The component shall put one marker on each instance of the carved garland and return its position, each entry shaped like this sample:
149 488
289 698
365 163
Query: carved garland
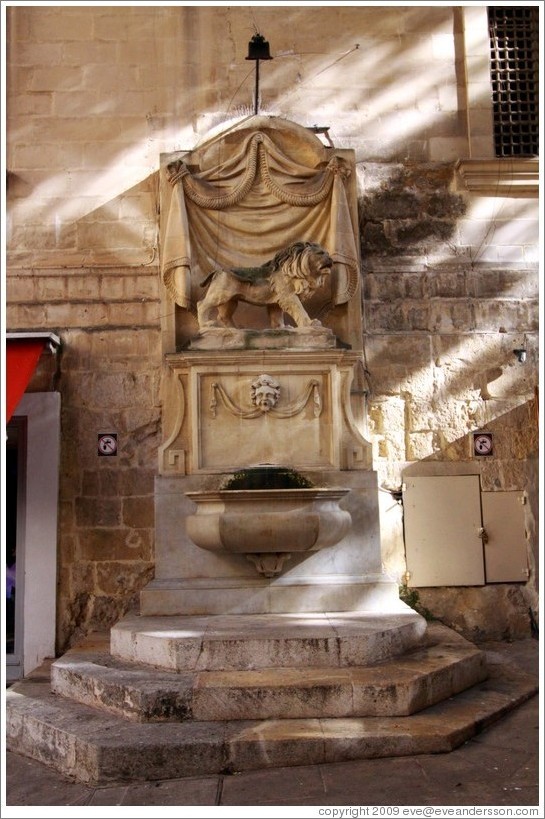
205 195
312 389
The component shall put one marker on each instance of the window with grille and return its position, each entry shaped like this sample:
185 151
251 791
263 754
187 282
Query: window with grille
514 45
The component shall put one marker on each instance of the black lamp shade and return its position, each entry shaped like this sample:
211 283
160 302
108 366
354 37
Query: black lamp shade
258 48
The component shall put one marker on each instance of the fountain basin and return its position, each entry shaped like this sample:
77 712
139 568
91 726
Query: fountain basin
268 525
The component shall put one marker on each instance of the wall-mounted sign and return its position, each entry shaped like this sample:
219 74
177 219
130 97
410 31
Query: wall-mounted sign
483 443
107 443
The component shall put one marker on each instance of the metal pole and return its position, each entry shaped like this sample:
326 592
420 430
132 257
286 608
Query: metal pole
256 103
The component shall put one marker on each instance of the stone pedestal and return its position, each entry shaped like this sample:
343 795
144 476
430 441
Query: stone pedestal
285 338
216 426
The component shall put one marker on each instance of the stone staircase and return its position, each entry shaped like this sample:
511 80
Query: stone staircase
167 697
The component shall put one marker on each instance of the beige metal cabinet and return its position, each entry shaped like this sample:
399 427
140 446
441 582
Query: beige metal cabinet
505 548
457 536
442 519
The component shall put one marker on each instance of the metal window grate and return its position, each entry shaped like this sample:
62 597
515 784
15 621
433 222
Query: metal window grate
514 49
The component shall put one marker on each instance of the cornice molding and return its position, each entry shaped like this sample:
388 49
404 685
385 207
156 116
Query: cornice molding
499 177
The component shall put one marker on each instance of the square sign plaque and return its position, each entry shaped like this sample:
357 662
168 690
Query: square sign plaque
107 443
483 444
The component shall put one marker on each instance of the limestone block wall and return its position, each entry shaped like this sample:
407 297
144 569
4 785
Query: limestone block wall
95 94
450 290
107 373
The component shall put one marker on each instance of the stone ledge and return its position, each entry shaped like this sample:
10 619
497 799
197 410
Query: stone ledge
246 642
401 687
290 338
257 596
500 177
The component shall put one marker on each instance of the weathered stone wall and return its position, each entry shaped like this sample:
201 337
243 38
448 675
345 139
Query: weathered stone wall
96 94
442 316
107 373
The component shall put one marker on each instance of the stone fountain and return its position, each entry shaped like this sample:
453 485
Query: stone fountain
270 634
269 523
265 367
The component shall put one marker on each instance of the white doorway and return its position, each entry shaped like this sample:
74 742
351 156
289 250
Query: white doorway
32 472
14 545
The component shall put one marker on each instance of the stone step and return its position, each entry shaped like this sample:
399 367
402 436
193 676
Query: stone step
97 747
229 642
447 665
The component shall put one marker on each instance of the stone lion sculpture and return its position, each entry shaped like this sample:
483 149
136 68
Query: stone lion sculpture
282 285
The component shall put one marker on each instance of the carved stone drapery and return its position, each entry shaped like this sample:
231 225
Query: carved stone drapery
205 195
238 200
312 389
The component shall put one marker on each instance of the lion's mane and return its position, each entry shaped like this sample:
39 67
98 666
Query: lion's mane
293 262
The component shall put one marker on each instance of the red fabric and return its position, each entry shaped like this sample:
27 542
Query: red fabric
22 356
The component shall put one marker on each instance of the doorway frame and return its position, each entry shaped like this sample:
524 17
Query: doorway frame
38 521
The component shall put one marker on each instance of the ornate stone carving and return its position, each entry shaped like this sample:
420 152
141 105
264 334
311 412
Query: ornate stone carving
282 285
238 199
264 397
265 392
269 565
268 525
171 457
